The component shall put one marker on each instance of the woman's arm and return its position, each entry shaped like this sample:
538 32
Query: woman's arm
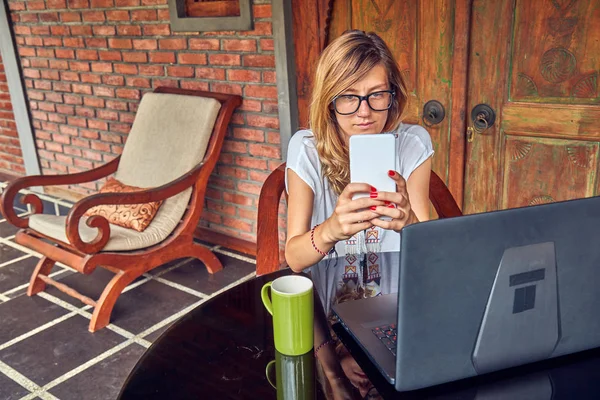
418 190
349 217
299 251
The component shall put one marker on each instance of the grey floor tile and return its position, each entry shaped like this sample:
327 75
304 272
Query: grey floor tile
7 229
24 313
11 390
195 276
168 265
49 207
8 253
57 350
147 304
62 210
61 274
102 381
236 252
17 273
204 243
89 285
18 206
156 334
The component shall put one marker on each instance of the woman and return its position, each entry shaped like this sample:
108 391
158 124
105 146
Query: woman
358 89
321 213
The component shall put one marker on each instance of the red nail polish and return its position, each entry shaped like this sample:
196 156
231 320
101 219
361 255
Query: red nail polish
373 195
373 189
373 208
391 173
392 206
387 203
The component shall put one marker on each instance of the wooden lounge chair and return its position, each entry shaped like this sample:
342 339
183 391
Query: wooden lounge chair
171 150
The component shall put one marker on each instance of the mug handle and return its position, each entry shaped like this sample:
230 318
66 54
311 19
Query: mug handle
268 375
264 294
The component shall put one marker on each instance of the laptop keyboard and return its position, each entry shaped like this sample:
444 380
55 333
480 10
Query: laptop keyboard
388 336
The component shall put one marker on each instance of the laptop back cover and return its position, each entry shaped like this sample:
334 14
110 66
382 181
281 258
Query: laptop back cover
453 270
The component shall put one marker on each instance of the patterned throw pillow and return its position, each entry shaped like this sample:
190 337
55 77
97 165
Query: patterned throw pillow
132 216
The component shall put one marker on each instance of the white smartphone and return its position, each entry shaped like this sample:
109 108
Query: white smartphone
371 157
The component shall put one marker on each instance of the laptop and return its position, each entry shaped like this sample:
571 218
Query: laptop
485 292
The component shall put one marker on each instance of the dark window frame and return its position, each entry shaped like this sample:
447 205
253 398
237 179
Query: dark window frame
180 22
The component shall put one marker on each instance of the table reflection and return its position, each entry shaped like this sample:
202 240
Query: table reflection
340 279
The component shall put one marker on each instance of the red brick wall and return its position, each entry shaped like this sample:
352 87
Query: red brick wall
11 159
86 64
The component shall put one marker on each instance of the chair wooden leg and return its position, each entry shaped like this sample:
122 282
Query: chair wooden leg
43 267
207 257
104 306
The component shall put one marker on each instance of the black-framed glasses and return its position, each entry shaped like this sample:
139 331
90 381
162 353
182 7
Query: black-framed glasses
346 104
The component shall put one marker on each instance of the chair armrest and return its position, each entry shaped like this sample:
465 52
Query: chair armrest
13 188
144 196
267 235
442 199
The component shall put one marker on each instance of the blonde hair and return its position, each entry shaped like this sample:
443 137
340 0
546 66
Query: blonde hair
345 61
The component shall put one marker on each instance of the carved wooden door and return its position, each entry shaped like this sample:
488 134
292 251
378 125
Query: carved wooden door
535 63
420 34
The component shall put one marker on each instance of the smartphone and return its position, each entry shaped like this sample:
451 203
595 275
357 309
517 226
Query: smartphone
371 157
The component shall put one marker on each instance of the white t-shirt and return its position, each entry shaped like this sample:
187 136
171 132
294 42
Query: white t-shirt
413 148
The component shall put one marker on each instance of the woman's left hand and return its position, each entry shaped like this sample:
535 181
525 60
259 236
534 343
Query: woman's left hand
397 206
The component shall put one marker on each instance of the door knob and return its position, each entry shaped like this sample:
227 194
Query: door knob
482 117
433 113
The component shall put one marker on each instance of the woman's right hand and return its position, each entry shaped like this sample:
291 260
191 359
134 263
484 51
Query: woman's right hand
352 216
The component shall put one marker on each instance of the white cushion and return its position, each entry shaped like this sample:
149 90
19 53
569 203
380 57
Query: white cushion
121 239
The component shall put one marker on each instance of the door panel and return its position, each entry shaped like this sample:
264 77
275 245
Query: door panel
536 64
560 66
527 159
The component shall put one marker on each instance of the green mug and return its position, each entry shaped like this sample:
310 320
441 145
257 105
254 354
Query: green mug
294 376
292 308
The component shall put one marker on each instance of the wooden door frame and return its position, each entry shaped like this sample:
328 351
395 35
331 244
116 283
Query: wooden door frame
308 24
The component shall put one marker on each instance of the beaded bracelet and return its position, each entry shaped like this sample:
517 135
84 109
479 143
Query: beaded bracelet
312 240
323 344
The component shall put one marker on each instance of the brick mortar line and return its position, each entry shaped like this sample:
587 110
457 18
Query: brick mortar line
244 84
106 23
114 8
100 74
87 9
134 101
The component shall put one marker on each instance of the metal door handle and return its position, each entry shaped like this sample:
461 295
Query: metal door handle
433 113
482 117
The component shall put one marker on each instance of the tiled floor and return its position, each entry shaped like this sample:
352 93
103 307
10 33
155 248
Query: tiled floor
46 351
